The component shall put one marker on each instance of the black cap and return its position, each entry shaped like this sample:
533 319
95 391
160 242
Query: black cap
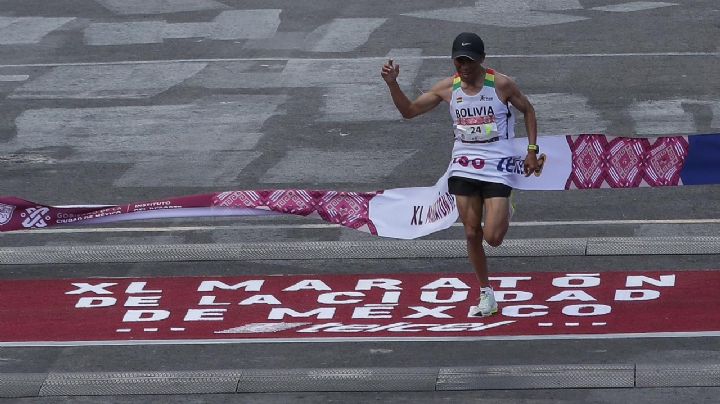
469 45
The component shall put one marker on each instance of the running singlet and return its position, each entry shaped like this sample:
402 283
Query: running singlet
482 125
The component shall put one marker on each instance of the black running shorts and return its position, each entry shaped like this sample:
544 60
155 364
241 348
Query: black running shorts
470 187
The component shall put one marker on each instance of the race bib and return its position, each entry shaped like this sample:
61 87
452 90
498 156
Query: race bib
476 133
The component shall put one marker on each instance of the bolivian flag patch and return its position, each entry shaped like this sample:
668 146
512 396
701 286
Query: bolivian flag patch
458 100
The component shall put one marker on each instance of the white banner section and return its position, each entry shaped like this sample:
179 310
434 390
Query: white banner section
555 161
408 213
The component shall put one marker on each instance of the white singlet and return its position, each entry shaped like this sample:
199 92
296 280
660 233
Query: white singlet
482 125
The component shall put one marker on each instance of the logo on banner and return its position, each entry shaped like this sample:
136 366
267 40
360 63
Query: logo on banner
35 217
6 212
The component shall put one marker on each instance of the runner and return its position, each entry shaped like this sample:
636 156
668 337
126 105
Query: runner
479 101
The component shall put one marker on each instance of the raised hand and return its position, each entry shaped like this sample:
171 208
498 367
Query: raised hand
390 72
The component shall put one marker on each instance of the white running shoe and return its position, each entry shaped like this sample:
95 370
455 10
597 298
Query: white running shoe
487 305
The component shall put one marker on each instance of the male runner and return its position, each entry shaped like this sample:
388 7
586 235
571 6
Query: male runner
479 101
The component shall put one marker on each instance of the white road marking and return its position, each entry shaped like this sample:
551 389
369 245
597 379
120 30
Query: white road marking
28 30
113 82
693 334
357 103
165 229
239 74
14 77
229 25
633 6
132 32
567 113
540 5
130 7
212 126
246 24
296 73
313 165
368 100
160 141
280 41
342 34
507 13
665 117
371 58
187 168
715 108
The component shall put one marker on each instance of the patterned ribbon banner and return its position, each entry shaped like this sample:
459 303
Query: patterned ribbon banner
568 162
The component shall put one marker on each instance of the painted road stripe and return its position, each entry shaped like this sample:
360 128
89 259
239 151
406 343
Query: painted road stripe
381 58
14 77
335 226
228 25
134 7
28 30
699 334
121 81
633 6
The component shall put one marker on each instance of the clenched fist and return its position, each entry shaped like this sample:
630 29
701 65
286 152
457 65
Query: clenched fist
390 72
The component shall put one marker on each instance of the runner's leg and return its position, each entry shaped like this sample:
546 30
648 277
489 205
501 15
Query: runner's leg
470 209
496 220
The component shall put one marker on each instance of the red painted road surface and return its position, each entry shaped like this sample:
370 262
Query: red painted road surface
275 308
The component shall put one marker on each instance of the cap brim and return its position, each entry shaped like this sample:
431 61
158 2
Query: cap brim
471 55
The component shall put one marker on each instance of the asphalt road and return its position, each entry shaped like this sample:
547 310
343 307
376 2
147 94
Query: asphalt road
109 101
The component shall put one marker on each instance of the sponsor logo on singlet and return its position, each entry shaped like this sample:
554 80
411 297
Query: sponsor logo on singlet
514 165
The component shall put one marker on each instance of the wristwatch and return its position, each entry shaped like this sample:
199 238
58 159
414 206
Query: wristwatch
534 148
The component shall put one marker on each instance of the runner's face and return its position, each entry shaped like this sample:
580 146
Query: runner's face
468 69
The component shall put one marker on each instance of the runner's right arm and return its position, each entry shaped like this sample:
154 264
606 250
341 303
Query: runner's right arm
423 103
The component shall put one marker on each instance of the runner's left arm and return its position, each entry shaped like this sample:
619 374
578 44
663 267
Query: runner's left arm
521 102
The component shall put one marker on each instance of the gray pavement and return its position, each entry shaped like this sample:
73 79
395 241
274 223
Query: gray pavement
700 395
108 101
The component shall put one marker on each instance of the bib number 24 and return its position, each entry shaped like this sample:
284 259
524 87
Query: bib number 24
474 133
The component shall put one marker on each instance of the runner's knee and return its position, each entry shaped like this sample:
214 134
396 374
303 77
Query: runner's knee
473 232
493 239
